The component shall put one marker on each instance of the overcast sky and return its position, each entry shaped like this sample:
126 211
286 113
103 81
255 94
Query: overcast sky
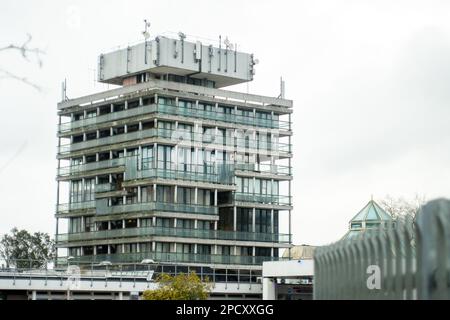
369 80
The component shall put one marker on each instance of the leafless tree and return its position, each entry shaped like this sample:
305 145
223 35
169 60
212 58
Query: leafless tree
398 207
30 54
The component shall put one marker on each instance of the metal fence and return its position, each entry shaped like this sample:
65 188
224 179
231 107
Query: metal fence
408 259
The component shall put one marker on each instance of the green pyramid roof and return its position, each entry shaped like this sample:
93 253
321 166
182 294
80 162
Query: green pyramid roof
372 212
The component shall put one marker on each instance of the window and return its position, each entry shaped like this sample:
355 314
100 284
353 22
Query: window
244 220
164 193
76 193
165 157
185 195
147 157
89 189
205 197
75 225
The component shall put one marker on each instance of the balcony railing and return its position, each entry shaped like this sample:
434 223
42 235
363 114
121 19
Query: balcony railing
174 232
171 257
264 168
67 207
218 116
263 198
208 172
68 126
103 209
74 169
178 136
181 111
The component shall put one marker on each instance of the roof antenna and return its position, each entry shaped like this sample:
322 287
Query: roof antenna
64 91
282 89
146 35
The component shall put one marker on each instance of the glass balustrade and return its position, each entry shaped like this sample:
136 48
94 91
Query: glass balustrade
180 136
263 198
169 257
174 232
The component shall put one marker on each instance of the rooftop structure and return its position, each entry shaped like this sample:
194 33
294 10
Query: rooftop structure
371 217
171 168
177 60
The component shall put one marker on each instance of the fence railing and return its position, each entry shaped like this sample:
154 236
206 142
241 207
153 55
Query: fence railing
408 259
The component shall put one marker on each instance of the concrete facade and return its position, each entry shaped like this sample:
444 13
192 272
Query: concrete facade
169 167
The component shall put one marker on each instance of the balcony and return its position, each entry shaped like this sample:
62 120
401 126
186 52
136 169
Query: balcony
76 169
103 209
68 126
208 172
230 118
263 198
173 232
264 168
171 257
178 136
74 206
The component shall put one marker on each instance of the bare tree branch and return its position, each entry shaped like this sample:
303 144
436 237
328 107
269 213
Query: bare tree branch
10 75
398 207
26 53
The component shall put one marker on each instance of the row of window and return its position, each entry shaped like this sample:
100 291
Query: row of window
257 186
166 247
76 224
264 222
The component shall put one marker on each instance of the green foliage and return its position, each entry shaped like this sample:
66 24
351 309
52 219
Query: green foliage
179 287
24 249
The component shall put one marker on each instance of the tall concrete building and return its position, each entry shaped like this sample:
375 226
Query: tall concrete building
171 167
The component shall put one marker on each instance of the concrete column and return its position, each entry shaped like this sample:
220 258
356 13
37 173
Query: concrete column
175 194
139 195
123 223
272 227
140 125
269 289
98 134
153 246
95 250
138 224
140 157
155 155
174 222
126 105
254 220
33 295
125 127
109 225
141 101
109 249
215 198
215 225
195 224
234 218
154 221
196 195
112 107
120 295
